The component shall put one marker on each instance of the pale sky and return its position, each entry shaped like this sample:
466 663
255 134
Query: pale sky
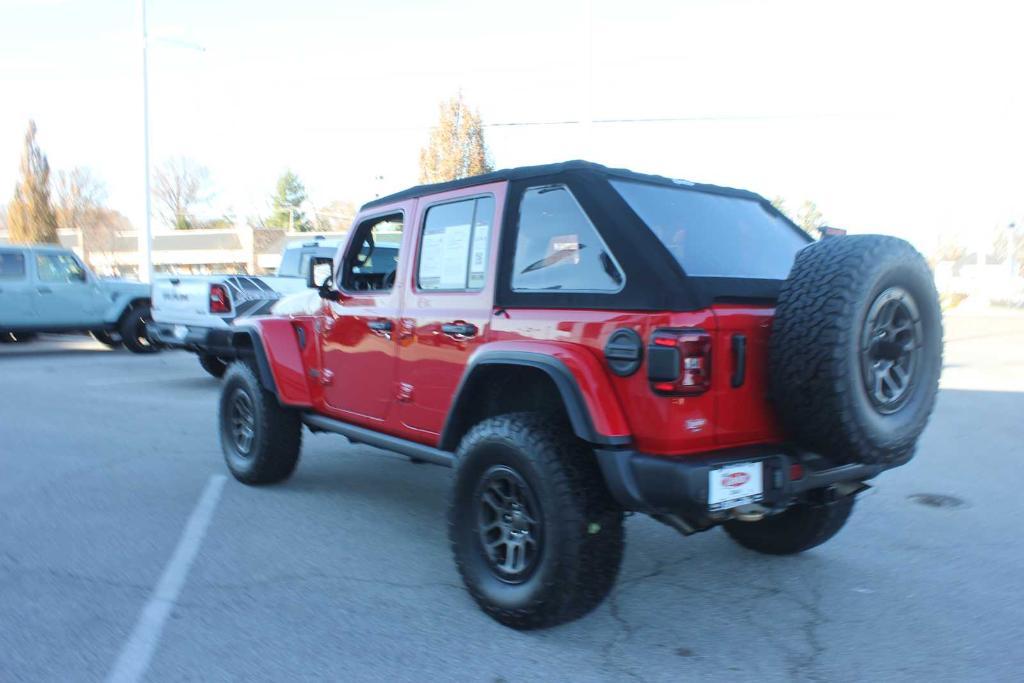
898 117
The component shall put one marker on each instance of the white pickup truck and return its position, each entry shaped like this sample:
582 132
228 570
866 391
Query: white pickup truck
195 312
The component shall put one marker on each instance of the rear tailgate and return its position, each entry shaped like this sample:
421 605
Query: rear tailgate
184 301
743 412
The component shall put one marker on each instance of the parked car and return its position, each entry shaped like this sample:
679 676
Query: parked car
579 342
46 288
195 312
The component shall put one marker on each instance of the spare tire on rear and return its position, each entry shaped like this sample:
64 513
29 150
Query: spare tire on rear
856 349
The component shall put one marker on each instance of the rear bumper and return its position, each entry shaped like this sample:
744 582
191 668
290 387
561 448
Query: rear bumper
205 340
679 484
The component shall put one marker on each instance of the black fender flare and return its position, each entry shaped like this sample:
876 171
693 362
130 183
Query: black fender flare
568 389
248 343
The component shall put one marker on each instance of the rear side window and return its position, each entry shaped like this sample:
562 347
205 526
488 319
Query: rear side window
12 265
558 248
453 249
714 235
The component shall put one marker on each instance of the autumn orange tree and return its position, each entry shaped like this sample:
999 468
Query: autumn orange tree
30 215
456 148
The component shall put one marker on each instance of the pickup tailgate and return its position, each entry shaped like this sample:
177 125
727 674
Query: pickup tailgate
184 301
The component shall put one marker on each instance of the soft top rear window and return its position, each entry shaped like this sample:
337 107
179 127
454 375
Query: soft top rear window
715 235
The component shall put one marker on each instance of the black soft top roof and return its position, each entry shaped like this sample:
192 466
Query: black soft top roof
547 170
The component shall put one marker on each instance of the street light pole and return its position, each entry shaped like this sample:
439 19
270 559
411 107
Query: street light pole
146 234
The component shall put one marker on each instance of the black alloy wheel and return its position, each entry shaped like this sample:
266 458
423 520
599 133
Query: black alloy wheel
509 523
890 342
242 422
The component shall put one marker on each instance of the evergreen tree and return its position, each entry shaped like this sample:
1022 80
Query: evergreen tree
287 204
30 215
456 148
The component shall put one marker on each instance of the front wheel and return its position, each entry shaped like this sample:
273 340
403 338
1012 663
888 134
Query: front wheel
261 439
536 535
213 365
134 330
108 339
801 527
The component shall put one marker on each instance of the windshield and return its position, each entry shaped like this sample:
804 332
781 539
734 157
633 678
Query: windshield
713 235
294 263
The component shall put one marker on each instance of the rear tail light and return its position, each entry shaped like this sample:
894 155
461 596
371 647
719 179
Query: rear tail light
679 362
219 301
796 471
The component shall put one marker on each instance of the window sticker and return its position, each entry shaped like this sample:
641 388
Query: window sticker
453 256
478 256
430 260
565 248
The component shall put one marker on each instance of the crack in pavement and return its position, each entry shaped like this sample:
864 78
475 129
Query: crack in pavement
69 576
808 666
626 629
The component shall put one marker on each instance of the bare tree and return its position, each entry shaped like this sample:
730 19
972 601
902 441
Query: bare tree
810 218
337 216
456 148
80 199
180 186
78 192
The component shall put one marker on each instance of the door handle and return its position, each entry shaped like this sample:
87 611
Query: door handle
459 329
380 325
44 290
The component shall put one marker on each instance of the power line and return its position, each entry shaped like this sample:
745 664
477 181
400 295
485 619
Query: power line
667 119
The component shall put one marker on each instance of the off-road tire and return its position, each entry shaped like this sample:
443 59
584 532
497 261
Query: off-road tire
816 356
581 527
133 330
213 365
277 430
107 339
800 528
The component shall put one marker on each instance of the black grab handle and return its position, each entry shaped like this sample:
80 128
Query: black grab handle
739 359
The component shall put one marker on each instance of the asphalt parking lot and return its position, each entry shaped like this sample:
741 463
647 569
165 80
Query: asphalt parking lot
109 460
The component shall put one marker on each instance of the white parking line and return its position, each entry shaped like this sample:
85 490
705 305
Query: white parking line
137 652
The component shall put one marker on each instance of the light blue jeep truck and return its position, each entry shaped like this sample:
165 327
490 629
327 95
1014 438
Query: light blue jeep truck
46 288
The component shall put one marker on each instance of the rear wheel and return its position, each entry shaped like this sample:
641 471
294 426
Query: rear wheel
801 527
109 339
537 538
213 365
261 439
134 330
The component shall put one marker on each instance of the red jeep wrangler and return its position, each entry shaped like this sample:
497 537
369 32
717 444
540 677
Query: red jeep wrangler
579 342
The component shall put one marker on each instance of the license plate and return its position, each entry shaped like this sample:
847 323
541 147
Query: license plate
180 331
735 485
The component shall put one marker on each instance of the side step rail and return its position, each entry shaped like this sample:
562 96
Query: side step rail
320 423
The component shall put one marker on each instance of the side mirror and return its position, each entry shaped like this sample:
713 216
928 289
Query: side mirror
320 269
321 277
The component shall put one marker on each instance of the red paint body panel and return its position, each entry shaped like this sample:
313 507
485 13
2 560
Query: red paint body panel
745 415
281 344
431 363
658 424
589 372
